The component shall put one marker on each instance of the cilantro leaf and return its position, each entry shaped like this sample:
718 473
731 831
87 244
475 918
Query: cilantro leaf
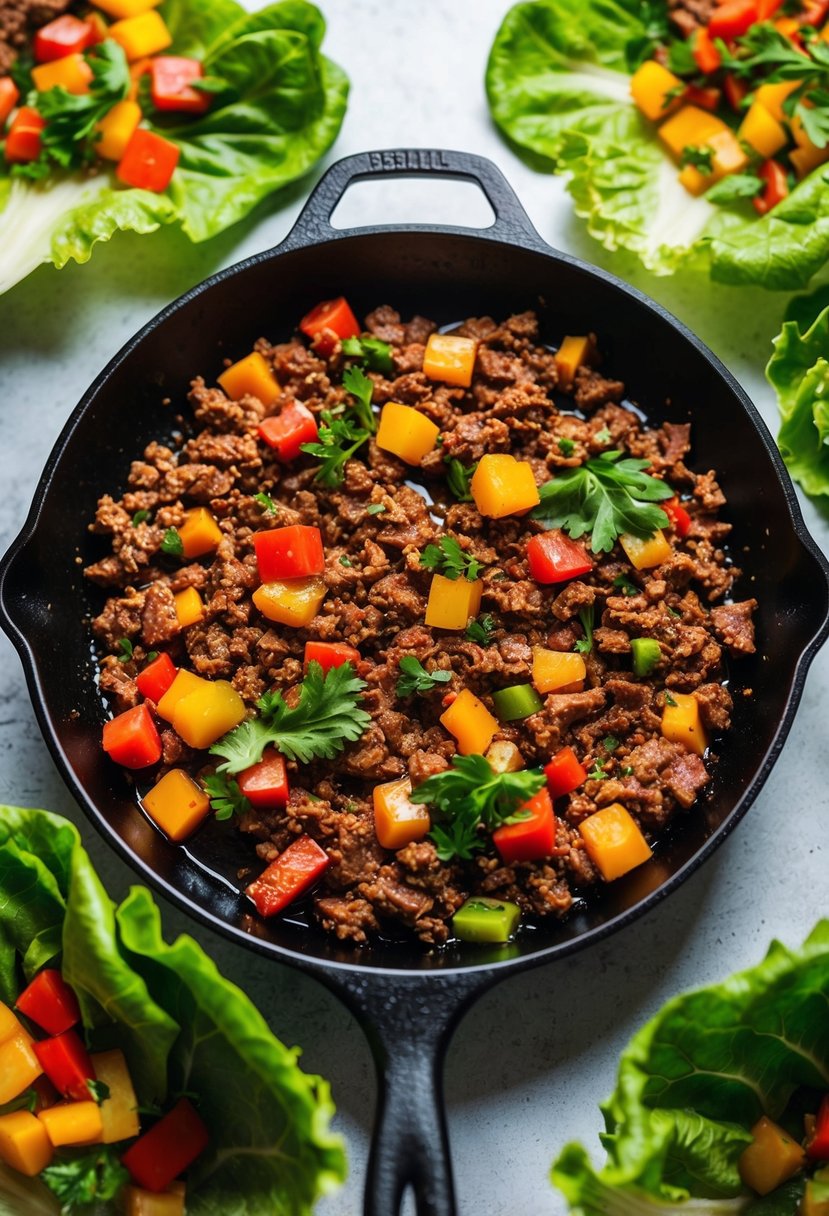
449 559
172 544
416 679
92 1176
566 446
126 648
606 496
585 645
481 629
326 717
681 59
374 353
735 186
698 155
375 508
358 384
140 517
266 503
625 585
98 1090
337 441
226 798
458 477
469 797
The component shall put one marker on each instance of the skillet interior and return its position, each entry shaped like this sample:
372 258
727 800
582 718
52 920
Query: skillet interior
445 275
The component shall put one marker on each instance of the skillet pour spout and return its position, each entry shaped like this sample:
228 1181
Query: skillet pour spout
408 1001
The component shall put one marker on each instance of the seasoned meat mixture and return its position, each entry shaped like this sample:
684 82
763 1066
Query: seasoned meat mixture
375 528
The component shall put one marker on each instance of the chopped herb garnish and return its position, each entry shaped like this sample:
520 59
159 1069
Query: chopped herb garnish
98 1090
266 503
449 559
415 678
627 771
625 585
373 352
673 611
458 477
681 59
566 447
735 186
93 1177
140 517
606 496
610 743
125 648
172 544
152 655
376 508
669 700
361 387
597 772
698 155
226 798
603 436
337 440
481 629
585 645
346 561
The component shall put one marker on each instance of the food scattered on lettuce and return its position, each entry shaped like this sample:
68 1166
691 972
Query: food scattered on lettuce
126 1061
190 113
721 1102
799 371
691 134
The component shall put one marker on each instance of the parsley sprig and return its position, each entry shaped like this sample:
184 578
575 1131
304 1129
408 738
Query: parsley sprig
469 799
449 559
698 155
92 1176
172 544
606 496
361 387
371 351
414 677
586 616
458 478
481 629
337 441
327 715
226 798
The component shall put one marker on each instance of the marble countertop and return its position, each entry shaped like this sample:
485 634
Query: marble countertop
531 1061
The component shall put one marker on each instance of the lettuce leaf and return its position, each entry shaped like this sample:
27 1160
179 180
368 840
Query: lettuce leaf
695 1078
799 372
280 113
181 1024
559 89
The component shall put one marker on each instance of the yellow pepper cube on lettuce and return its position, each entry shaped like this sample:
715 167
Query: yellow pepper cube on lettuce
119 1111
24 1144
116 129
72 1123
142 35
651 87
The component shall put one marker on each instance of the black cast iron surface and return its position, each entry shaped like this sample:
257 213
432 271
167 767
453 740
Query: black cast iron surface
408 1001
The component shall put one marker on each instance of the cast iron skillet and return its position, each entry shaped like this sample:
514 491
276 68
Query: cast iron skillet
408 1001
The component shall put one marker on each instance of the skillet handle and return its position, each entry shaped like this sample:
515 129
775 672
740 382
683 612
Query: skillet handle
511 220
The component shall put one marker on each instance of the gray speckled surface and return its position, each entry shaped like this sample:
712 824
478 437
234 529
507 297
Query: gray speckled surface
533 1058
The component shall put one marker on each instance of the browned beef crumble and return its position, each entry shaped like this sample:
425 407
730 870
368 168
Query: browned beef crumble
376 602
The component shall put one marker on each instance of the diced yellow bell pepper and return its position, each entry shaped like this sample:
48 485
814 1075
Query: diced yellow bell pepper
644 552
554 669
452 602
762 131
469 720
502 485
119 1112
9 1024
72 73
199 533
291 601
397 820
571 355
24 1144
772 96
116 129
695 182
613 841
177 805
504 757
692 127
729 156
155 1203
771 1158
807 159
144 34
250 377
681 722
72 1123
650 86
125 8
205 715
406 432
189 607
184 683
19 1066
450 358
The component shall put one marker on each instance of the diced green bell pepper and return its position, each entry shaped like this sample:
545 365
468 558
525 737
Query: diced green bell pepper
486 920
516 702
646 654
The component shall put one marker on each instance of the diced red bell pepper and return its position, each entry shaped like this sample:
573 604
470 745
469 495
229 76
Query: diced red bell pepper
554 557
66 1063
735 91
158 1157
776 186
50 1002
266 784
132 739
732 19
23 142
286 878
679 518
148 162
156 677
330 654
529 839
814 13
9 97
705 99
817 1147
330 320
66 35
171 86
706 55
289 429
292 552
564 773
98 28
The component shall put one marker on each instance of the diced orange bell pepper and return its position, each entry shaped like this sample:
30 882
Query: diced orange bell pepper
199 533
72 73
771 1159
690 126
452 602
294 601
406 432
24 1144
705 52
681 722
119 1111
9 97
807 159
140 1202
652 88
450 358
573 353
189 607
23 138
645 552
9 1024
397 820
121 9
19 1066
613 841
251 376
762 131
469 720
184 683
98 28
554 669
772 96
116 129
72 1123
502 485
203 716
149 160
177 805
144 34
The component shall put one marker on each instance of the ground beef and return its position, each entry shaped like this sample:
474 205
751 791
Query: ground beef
375 526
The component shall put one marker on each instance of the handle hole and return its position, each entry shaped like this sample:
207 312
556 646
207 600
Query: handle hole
409 201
